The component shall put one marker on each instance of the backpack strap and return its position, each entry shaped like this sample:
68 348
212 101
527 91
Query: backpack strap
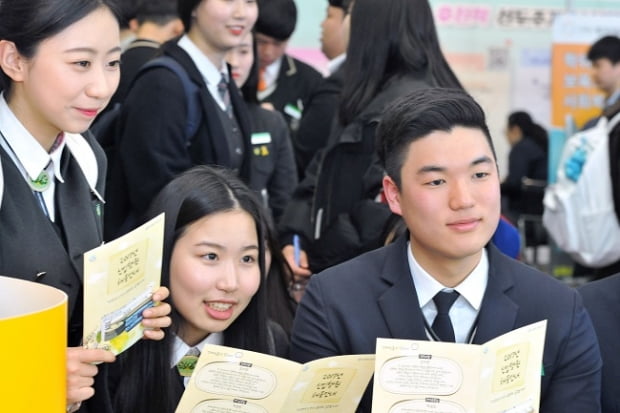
191 92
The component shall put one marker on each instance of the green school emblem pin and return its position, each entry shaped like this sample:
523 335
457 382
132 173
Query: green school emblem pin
41 183
186 365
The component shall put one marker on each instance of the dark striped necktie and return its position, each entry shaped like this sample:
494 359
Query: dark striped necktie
442 325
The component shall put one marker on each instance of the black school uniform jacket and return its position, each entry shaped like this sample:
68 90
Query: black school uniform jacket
32 249
296 83
153 149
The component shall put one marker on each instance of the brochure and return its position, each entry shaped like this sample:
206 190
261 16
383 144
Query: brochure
502 375
227 380
119 280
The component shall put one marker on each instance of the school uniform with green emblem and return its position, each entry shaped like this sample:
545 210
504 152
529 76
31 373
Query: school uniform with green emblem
50 209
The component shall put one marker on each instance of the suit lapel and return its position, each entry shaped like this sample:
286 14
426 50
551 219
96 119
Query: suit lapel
498 312
401 309
77 209
288 69
243 120
399 303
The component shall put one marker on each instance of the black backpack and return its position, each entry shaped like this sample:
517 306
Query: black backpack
106 127
106 130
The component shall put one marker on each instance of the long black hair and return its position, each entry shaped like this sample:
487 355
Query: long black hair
199 192
390 38
281 307
28 23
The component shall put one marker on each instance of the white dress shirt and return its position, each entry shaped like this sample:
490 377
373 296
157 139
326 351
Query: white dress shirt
207 69
335 63
29 156
464 311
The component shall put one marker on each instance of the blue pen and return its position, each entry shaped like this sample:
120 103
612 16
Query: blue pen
296 249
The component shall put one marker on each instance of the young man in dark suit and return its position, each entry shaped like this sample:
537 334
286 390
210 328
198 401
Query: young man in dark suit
285 83
442 178
601 298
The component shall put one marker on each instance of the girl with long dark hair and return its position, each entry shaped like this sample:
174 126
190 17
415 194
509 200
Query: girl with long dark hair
393 50
214 265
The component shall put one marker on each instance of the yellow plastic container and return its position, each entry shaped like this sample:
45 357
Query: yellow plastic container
33 341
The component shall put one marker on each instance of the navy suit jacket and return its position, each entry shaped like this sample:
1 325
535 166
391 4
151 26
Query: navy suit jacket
345 308
602 299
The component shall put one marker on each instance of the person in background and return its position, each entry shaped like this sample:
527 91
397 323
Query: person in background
152 146
614 170
337 211
273 173
604 55
335 33
59 62
285 83
157 22
214 263
442 178
528 159
322 107
127 20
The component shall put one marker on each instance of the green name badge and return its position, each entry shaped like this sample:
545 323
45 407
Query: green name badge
261 138
293 111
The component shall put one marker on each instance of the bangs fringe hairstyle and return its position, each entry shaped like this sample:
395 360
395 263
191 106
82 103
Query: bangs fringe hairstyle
28 22
199 192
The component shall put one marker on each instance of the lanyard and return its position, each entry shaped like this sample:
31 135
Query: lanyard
470 336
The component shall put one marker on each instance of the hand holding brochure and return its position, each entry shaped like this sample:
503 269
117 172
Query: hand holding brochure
227 379
119 280
500 376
